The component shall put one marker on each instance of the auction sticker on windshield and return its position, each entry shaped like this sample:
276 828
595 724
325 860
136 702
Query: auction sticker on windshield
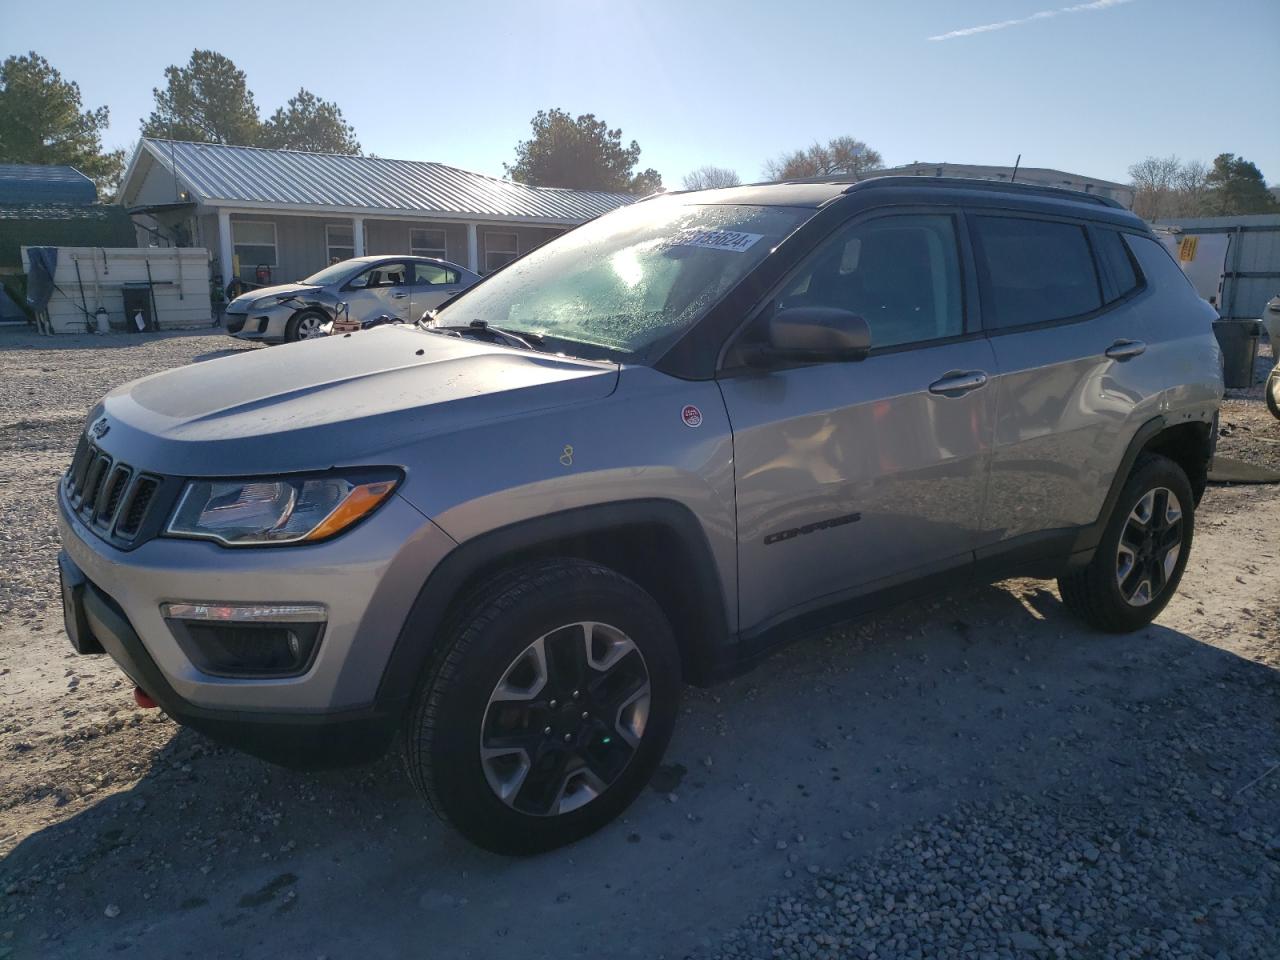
720 240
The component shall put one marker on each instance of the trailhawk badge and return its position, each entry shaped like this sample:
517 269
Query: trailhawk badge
691 416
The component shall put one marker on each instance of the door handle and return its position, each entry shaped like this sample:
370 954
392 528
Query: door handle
398 296
1126 349
958 382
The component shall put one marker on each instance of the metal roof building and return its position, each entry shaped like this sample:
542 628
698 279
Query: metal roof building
53 206
37 184
291 212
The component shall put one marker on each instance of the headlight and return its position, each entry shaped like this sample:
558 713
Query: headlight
266 303
279 510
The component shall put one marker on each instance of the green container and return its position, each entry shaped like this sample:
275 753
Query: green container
1239 342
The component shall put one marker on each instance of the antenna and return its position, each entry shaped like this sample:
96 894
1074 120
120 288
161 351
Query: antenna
1017 163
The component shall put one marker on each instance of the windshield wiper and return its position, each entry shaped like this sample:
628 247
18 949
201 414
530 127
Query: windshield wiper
527 341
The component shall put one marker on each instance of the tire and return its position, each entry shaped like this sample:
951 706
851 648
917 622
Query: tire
490 689
1100 593
1272 390
301 325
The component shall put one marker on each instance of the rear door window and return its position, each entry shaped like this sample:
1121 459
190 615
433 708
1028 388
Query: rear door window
1117 261
432 275
1036 271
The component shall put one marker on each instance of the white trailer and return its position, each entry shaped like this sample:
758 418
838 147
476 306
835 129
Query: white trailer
173 280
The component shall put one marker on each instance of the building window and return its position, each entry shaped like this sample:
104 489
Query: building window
499 250
339 242
428 242
254 242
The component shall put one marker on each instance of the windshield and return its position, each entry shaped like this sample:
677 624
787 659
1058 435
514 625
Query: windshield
332 273
626 285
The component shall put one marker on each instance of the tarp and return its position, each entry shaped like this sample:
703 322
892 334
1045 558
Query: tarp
44 261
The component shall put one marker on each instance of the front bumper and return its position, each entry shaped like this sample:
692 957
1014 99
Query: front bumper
265 326
367 579
301 740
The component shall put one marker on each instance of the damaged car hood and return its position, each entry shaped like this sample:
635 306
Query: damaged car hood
335 400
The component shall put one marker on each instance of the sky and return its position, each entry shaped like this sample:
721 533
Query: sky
1087 87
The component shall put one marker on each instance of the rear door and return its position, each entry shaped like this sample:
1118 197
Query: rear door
1056 301
853 476
433 284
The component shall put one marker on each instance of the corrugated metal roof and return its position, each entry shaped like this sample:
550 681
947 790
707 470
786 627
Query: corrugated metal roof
252 175
38 183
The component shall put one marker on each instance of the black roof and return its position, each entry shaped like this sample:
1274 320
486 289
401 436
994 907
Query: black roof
819 191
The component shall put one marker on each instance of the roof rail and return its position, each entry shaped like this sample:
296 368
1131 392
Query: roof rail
992 186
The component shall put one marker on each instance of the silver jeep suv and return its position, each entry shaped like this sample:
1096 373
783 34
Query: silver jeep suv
645 454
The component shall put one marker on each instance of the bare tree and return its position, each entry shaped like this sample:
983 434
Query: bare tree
1155 183
710 177
1193 188
838 157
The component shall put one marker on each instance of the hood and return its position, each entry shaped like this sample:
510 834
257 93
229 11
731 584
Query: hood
244 301
333 401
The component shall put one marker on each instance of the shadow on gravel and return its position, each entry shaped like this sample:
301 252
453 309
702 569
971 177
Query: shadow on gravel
228 352
821 756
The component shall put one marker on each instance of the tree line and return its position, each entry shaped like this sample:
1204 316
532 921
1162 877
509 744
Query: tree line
43 120
1168 187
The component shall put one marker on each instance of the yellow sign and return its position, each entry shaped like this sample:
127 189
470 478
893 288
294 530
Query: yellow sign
1187 249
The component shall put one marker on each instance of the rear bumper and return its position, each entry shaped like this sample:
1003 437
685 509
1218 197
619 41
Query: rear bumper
310 740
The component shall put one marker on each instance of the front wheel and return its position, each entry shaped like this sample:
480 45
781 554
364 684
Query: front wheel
1272 390
306 325
547 709
1142 554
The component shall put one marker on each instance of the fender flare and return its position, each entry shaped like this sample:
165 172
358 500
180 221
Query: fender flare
1090 536
554 534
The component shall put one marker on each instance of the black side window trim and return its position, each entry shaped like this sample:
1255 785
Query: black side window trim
984 277
969 312
1112 296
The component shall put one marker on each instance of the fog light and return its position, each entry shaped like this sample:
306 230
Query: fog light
248 640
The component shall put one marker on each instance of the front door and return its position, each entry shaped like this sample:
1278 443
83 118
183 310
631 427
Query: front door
382 290
852 476
433 284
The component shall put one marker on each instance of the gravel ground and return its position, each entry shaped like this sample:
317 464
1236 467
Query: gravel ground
974 776
1246 429
47 386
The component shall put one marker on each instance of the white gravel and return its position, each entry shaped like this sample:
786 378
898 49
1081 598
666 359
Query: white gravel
47 386
973 777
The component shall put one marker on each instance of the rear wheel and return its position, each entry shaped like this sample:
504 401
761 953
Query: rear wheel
548 709
305 325
1272 390
1142 554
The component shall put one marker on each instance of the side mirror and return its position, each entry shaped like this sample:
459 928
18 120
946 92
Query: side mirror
812 335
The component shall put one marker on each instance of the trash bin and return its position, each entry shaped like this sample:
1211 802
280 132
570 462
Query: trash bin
137 301
1239 342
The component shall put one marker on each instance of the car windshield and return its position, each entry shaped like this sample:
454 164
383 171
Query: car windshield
625 286
332 273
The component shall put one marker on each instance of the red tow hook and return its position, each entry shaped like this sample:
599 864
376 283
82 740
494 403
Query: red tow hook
141 699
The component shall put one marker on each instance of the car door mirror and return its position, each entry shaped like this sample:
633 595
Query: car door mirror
811 335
